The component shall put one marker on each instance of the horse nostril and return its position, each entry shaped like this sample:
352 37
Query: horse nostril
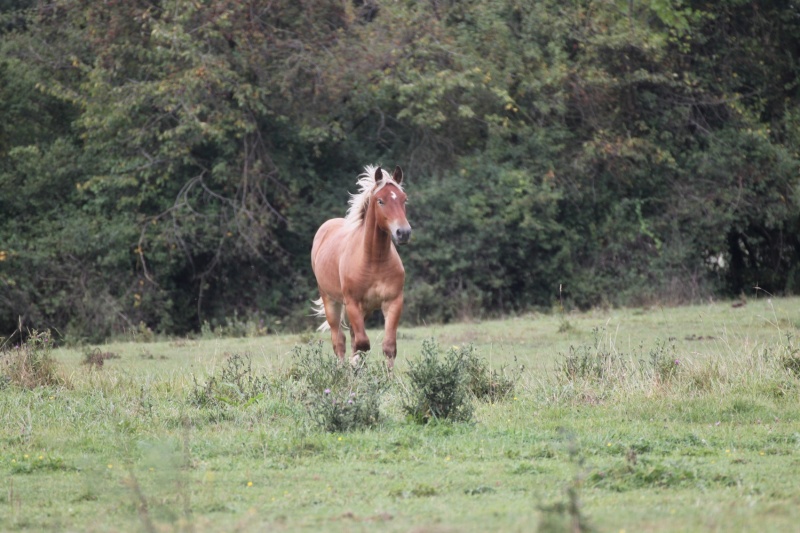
403 234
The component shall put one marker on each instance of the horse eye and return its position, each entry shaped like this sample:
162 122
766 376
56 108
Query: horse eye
380 202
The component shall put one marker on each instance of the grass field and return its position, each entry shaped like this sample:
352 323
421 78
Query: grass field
664 419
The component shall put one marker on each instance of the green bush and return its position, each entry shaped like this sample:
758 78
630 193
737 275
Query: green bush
339 397
439 387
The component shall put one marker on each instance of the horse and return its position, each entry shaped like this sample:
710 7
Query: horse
356 264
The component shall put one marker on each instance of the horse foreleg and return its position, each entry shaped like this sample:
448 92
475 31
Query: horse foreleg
358 333
391 313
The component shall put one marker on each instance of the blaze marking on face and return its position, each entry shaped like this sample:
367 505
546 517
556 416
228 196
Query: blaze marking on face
394 196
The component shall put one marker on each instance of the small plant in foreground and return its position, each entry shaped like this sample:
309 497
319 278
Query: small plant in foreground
236 384
30 364
439 388
339 397
566 515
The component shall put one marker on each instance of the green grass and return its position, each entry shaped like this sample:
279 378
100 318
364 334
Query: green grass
712 444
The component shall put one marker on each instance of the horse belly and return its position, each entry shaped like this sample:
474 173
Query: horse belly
325 257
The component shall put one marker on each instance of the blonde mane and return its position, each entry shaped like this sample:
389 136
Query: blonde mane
359 202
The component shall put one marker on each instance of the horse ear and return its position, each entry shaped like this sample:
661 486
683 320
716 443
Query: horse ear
378 175
398 174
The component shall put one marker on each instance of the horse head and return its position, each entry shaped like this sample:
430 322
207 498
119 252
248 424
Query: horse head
390 205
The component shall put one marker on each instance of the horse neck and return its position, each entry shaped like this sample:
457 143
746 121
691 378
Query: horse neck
376 242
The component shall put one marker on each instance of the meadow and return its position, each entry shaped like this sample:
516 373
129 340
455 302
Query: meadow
658 419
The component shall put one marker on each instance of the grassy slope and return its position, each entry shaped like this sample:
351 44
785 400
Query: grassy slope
715 448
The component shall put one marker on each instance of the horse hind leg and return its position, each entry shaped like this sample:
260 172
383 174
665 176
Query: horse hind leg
333 315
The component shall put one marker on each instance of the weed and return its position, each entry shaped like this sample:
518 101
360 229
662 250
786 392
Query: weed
601 364
639 474
239 327
566 515
38 463
485 383
662 363
790 359
95 358
418 491
236 384
317 369
596 363
30 364
439 387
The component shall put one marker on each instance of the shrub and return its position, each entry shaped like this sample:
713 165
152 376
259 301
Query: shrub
439 388
339 397
345 409
31 363
236 384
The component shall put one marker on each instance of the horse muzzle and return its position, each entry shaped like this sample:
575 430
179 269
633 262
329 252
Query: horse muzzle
402 235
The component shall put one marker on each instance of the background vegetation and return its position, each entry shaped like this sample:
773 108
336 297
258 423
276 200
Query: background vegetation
164 165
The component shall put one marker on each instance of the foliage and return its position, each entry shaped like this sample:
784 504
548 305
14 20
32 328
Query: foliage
168 164
438 386
29 364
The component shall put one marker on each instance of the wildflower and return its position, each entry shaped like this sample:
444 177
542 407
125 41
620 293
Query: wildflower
352 394
327 391
249 483
677 361
350 402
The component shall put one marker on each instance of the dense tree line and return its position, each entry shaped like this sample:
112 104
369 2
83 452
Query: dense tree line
166 163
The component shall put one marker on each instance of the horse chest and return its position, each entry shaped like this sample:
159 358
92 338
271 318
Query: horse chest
379 293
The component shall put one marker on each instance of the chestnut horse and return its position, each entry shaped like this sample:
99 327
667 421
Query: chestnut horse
357 266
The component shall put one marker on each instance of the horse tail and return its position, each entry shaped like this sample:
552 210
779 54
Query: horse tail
319 310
